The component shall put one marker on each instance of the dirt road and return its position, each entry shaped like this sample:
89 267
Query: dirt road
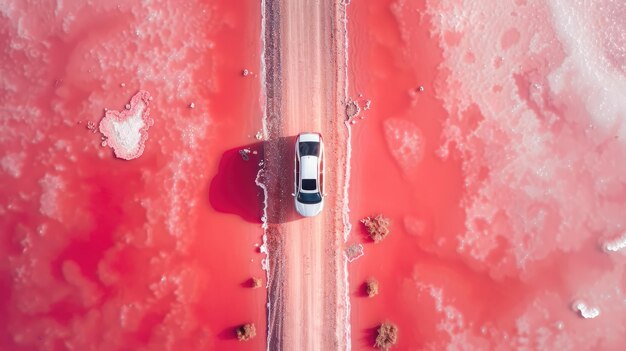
304 60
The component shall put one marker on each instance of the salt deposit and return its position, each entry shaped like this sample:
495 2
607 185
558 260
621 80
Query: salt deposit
452 320
51 187
616 244
537 116
405 142
585 311
12 164
588 70
127 131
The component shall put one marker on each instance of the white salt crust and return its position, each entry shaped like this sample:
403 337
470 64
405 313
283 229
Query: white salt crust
126 131
537 117
405 142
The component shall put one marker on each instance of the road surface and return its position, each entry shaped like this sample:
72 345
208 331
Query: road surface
305 90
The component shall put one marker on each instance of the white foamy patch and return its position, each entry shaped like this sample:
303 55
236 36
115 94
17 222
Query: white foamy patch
536 120
584 310
12 164
460 332
405 142
127 131
51 186
452 321
616 244
586 71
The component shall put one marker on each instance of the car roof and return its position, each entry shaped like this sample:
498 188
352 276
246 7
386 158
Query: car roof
308 167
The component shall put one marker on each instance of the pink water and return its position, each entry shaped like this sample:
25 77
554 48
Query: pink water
503 176
100 253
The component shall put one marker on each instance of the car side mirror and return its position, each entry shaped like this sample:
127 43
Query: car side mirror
293 194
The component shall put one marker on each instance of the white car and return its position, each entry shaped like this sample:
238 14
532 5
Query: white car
309 174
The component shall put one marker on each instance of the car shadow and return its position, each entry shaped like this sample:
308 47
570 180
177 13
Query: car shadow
279 178
361 291
229 333
234 190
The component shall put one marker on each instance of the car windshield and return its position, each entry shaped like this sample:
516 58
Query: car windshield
309 198
309 148
309 184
